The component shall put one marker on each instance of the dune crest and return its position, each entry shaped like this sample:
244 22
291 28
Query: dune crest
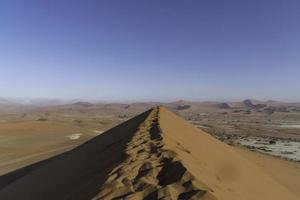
150 171
155 155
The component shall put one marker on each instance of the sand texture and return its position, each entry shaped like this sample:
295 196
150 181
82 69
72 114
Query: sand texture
155 155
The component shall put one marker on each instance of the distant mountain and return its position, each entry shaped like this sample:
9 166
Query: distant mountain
269 106
4 101
224 106
184 107
83 103
248 103
25 101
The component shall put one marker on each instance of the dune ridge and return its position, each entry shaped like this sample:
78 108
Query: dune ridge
156 155
150 171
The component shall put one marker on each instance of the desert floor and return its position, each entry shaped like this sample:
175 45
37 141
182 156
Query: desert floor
37 134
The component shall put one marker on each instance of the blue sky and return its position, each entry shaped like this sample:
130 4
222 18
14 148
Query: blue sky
150 50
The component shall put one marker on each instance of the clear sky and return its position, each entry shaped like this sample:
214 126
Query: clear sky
150 50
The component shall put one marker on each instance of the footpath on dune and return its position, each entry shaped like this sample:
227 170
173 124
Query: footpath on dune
156 155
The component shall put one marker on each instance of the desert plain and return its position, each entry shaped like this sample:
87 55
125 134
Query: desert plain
215 140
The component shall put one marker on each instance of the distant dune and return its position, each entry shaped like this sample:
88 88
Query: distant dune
155 155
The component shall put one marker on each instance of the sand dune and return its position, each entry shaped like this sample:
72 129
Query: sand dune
155 155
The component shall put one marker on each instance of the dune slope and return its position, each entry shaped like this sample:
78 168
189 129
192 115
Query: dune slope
155 155
227 173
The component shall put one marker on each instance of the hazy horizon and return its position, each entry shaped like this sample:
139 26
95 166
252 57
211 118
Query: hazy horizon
150 51
48 101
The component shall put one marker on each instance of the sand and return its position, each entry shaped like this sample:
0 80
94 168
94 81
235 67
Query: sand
155 155
283 171
225 171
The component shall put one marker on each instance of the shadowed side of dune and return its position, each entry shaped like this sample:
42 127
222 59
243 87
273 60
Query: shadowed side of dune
10 177
77 174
